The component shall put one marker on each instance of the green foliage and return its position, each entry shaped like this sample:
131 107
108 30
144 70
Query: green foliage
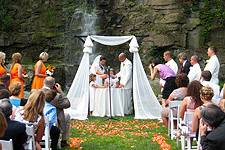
5 18
212 16
49 17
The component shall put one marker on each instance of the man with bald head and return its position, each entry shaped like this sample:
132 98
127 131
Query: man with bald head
195 71
125 75
61 102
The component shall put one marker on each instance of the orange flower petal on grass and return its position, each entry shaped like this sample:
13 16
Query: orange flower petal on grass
161 141
75 142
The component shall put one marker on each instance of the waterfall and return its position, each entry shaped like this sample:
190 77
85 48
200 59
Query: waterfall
83 22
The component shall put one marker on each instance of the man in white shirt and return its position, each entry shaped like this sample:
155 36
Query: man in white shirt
125 75
167 56
170 62
205 81
195 70
213 65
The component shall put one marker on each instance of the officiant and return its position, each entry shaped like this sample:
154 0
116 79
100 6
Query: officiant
98 68
125 75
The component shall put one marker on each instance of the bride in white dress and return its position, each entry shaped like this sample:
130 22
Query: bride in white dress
98 69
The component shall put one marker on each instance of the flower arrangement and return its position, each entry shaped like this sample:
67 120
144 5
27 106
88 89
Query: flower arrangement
161 141
75 143
50 70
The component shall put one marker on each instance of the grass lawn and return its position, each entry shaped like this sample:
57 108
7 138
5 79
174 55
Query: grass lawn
122 134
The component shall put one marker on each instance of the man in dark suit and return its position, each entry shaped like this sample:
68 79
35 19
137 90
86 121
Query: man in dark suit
214 118
15 130
184 63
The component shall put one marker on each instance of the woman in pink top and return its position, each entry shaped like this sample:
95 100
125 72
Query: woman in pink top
192 100
165 73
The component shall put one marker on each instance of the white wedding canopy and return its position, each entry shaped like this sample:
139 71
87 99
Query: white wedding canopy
146 105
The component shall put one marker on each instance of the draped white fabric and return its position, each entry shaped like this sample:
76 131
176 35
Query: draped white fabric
145 103
79 91
111 40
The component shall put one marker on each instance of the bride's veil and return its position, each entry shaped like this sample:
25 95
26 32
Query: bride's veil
95 62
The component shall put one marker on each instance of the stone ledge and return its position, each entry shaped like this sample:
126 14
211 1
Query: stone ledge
161 2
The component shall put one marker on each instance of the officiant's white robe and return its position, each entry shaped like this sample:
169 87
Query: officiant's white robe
125 75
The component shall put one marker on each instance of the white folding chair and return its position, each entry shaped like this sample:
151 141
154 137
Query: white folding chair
186 134
31 144
46 137
6 145
171 127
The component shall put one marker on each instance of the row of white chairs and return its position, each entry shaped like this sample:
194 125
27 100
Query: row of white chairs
182 126
31 144
6 145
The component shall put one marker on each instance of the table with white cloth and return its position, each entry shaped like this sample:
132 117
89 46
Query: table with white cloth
119 98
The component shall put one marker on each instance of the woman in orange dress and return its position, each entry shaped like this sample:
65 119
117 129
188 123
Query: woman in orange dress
2 67
4 78
40 71
16 72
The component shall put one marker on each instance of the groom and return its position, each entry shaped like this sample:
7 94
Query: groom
125 75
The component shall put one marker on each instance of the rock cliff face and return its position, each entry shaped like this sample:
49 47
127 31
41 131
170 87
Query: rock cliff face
31 26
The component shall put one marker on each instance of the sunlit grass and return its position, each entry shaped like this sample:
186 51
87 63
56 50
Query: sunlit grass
121 134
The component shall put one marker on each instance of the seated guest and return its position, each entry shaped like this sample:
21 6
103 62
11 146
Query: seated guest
222 104
61 102
4 93
32 113
206 94
214 118
181 91
177 94
15 130
195 70
165 73
14 89
192 100
3 124
184 63
206 81
222 92
4 81
50 113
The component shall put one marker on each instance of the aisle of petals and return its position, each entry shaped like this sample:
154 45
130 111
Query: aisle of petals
161 141
125 129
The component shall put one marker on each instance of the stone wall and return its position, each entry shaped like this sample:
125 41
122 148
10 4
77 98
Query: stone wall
31 26
164 25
